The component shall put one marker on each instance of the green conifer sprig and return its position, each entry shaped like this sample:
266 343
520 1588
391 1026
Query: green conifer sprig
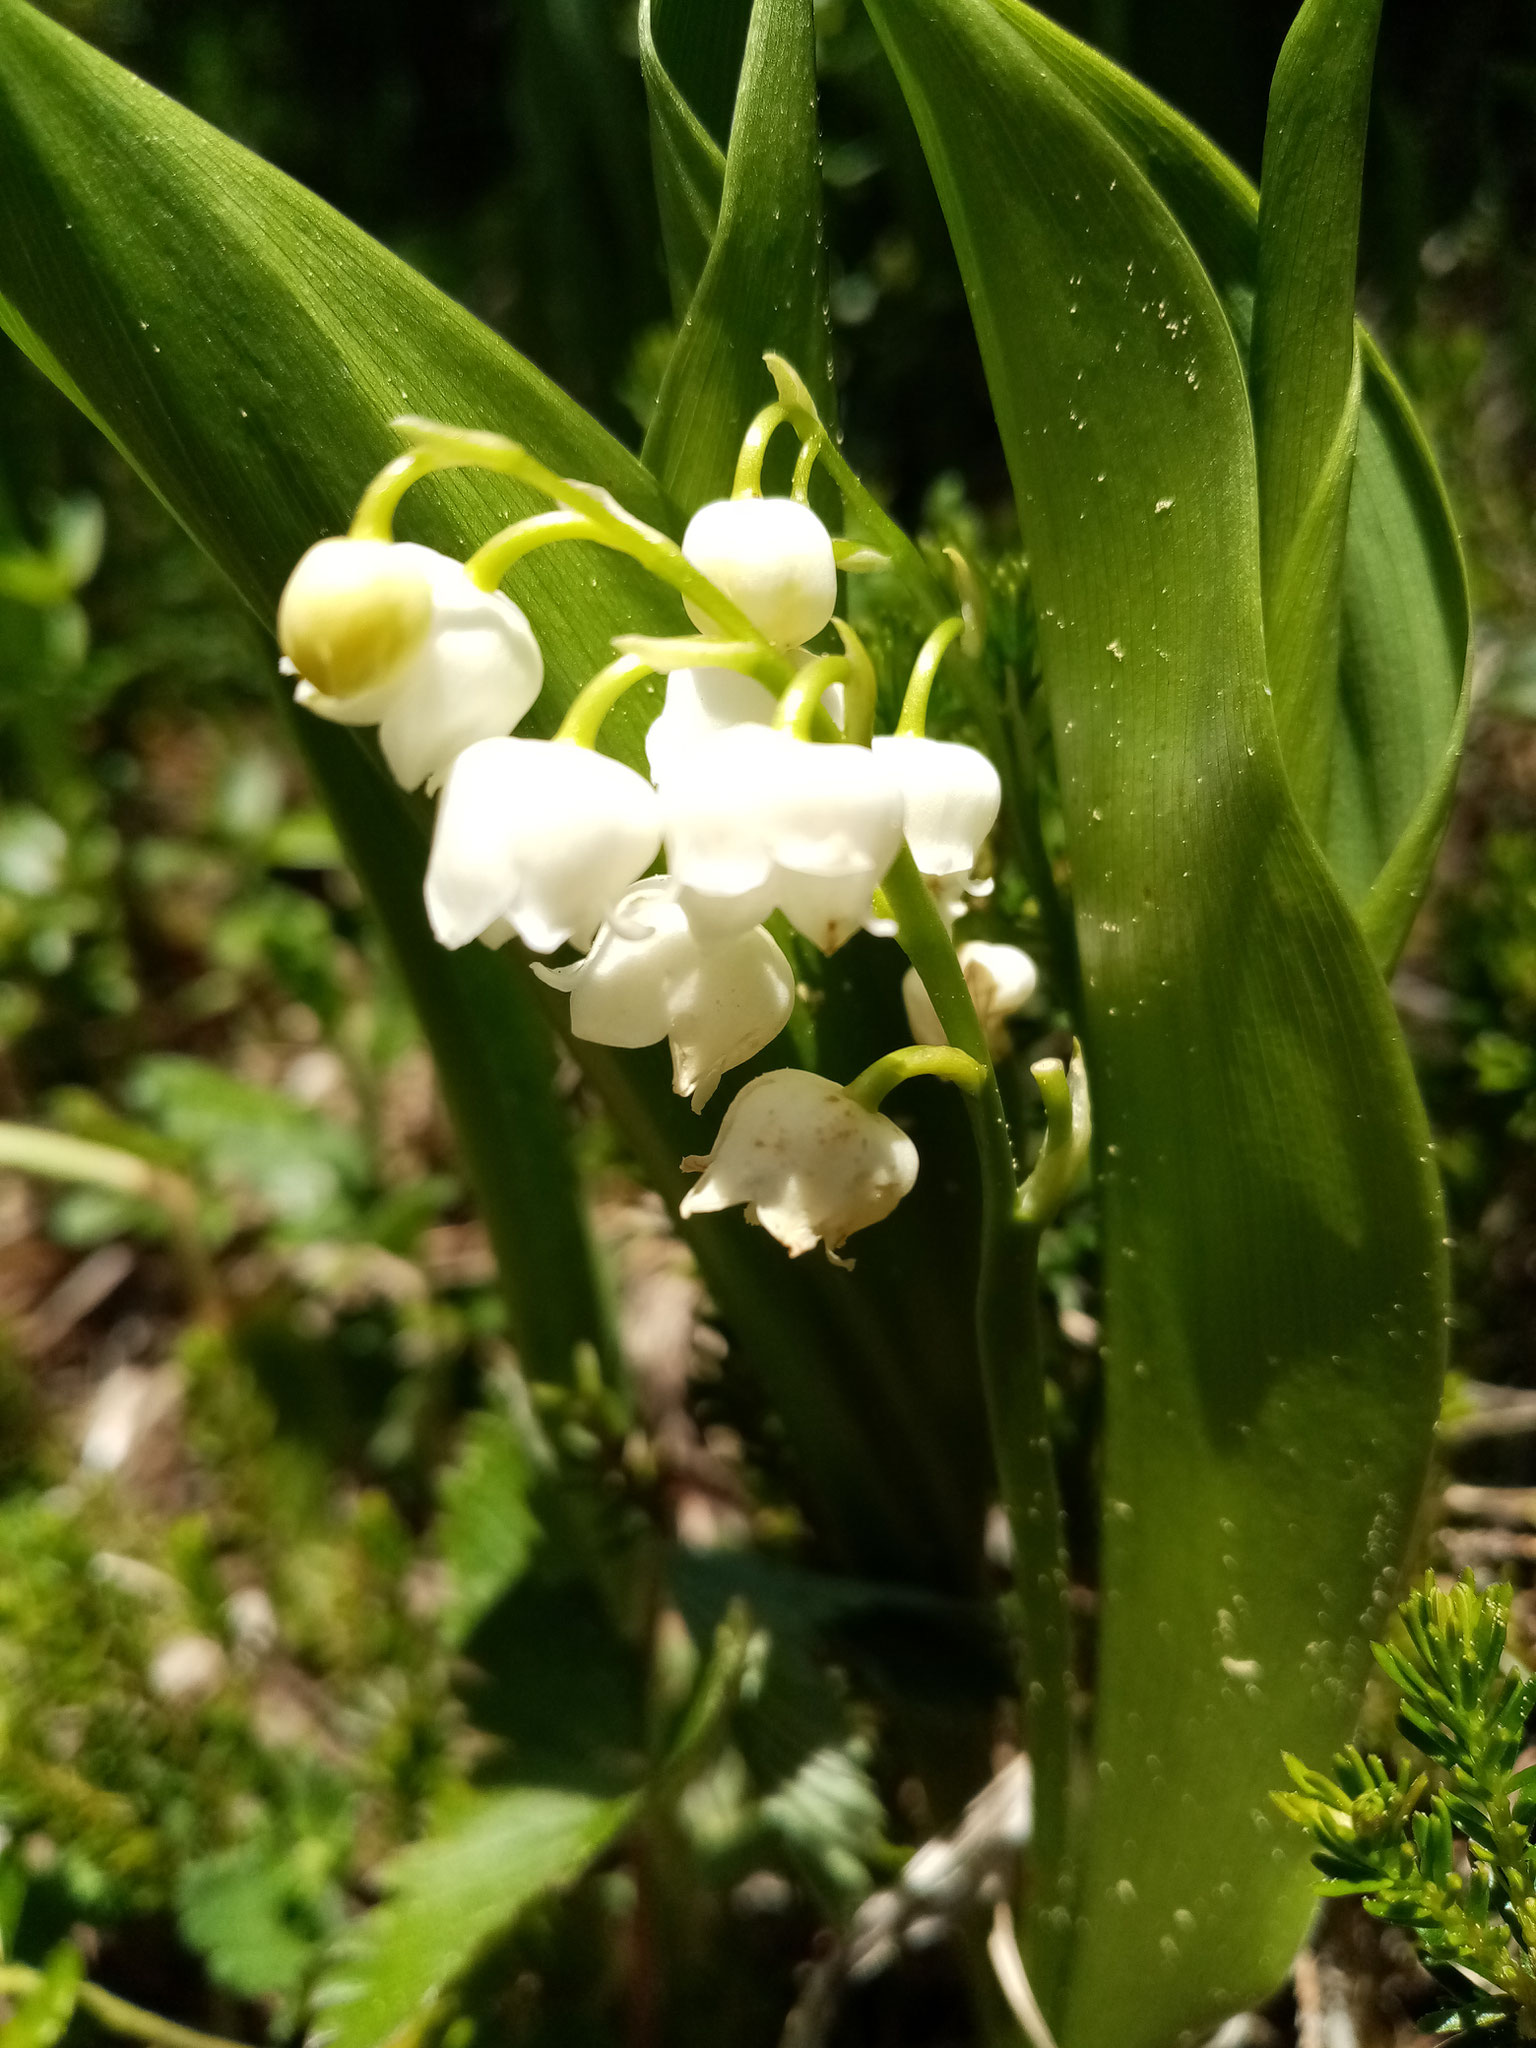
1443 1852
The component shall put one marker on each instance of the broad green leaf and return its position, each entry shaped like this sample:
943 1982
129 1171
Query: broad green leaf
252 1913
487 1530
1402 700
689 164
764 285
1275 1285
246 349
449 1896
1303 367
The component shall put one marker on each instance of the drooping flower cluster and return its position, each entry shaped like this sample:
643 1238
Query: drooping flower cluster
773 802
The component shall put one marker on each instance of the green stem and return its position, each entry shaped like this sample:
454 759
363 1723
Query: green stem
805 463
591 705
913 722
17 1980
374 518
802 700
1068 1130
441 447
862 690
491 561
748 657
1013 1380
972 594
859 504
748 480
907 1063
1021 803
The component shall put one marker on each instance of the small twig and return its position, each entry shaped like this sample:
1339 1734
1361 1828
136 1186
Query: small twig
1008 1966
17 1980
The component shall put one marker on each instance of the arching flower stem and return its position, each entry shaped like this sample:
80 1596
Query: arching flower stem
908 1063
749 657
862 688
802 700
805 462
748 480
491 561
439 448
1007 744
592 704
860 506
1013 1381
913 722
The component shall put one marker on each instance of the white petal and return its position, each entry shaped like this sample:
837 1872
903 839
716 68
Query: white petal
469 674
811 1165
1011 976
717 801
773 558
367 707
542 833
952 796
835 811
701 701
474 677
619 992
1001 980
756 819
735 1000
826 909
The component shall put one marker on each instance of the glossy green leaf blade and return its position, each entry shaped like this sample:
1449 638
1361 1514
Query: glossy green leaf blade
450 1895
1302 368
1274 1279
1303 346
688 163
1402 686
246 347
764 285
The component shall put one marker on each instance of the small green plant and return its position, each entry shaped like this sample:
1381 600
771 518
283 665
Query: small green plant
1443 1847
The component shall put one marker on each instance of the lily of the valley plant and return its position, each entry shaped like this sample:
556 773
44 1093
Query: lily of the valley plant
694 761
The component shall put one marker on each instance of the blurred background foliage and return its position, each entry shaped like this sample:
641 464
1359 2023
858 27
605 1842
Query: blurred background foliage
279 1570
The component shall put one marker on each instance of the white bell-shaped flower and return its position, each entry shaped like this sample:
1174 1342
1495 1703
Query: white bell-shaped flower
756 820
541 833
648 977
390 634
773 558
810 1163
1001 980
952 795
701 701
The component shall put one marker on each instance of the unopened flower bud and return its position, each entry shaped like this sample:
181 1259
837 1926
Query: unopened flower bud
773 558
1001 980
390 634
811 1165
541 833
952 796
648 977
757 820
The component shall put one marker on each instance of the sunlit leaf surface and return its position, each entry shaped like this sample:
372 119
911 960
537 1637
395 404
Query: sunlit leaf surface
1275 1287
